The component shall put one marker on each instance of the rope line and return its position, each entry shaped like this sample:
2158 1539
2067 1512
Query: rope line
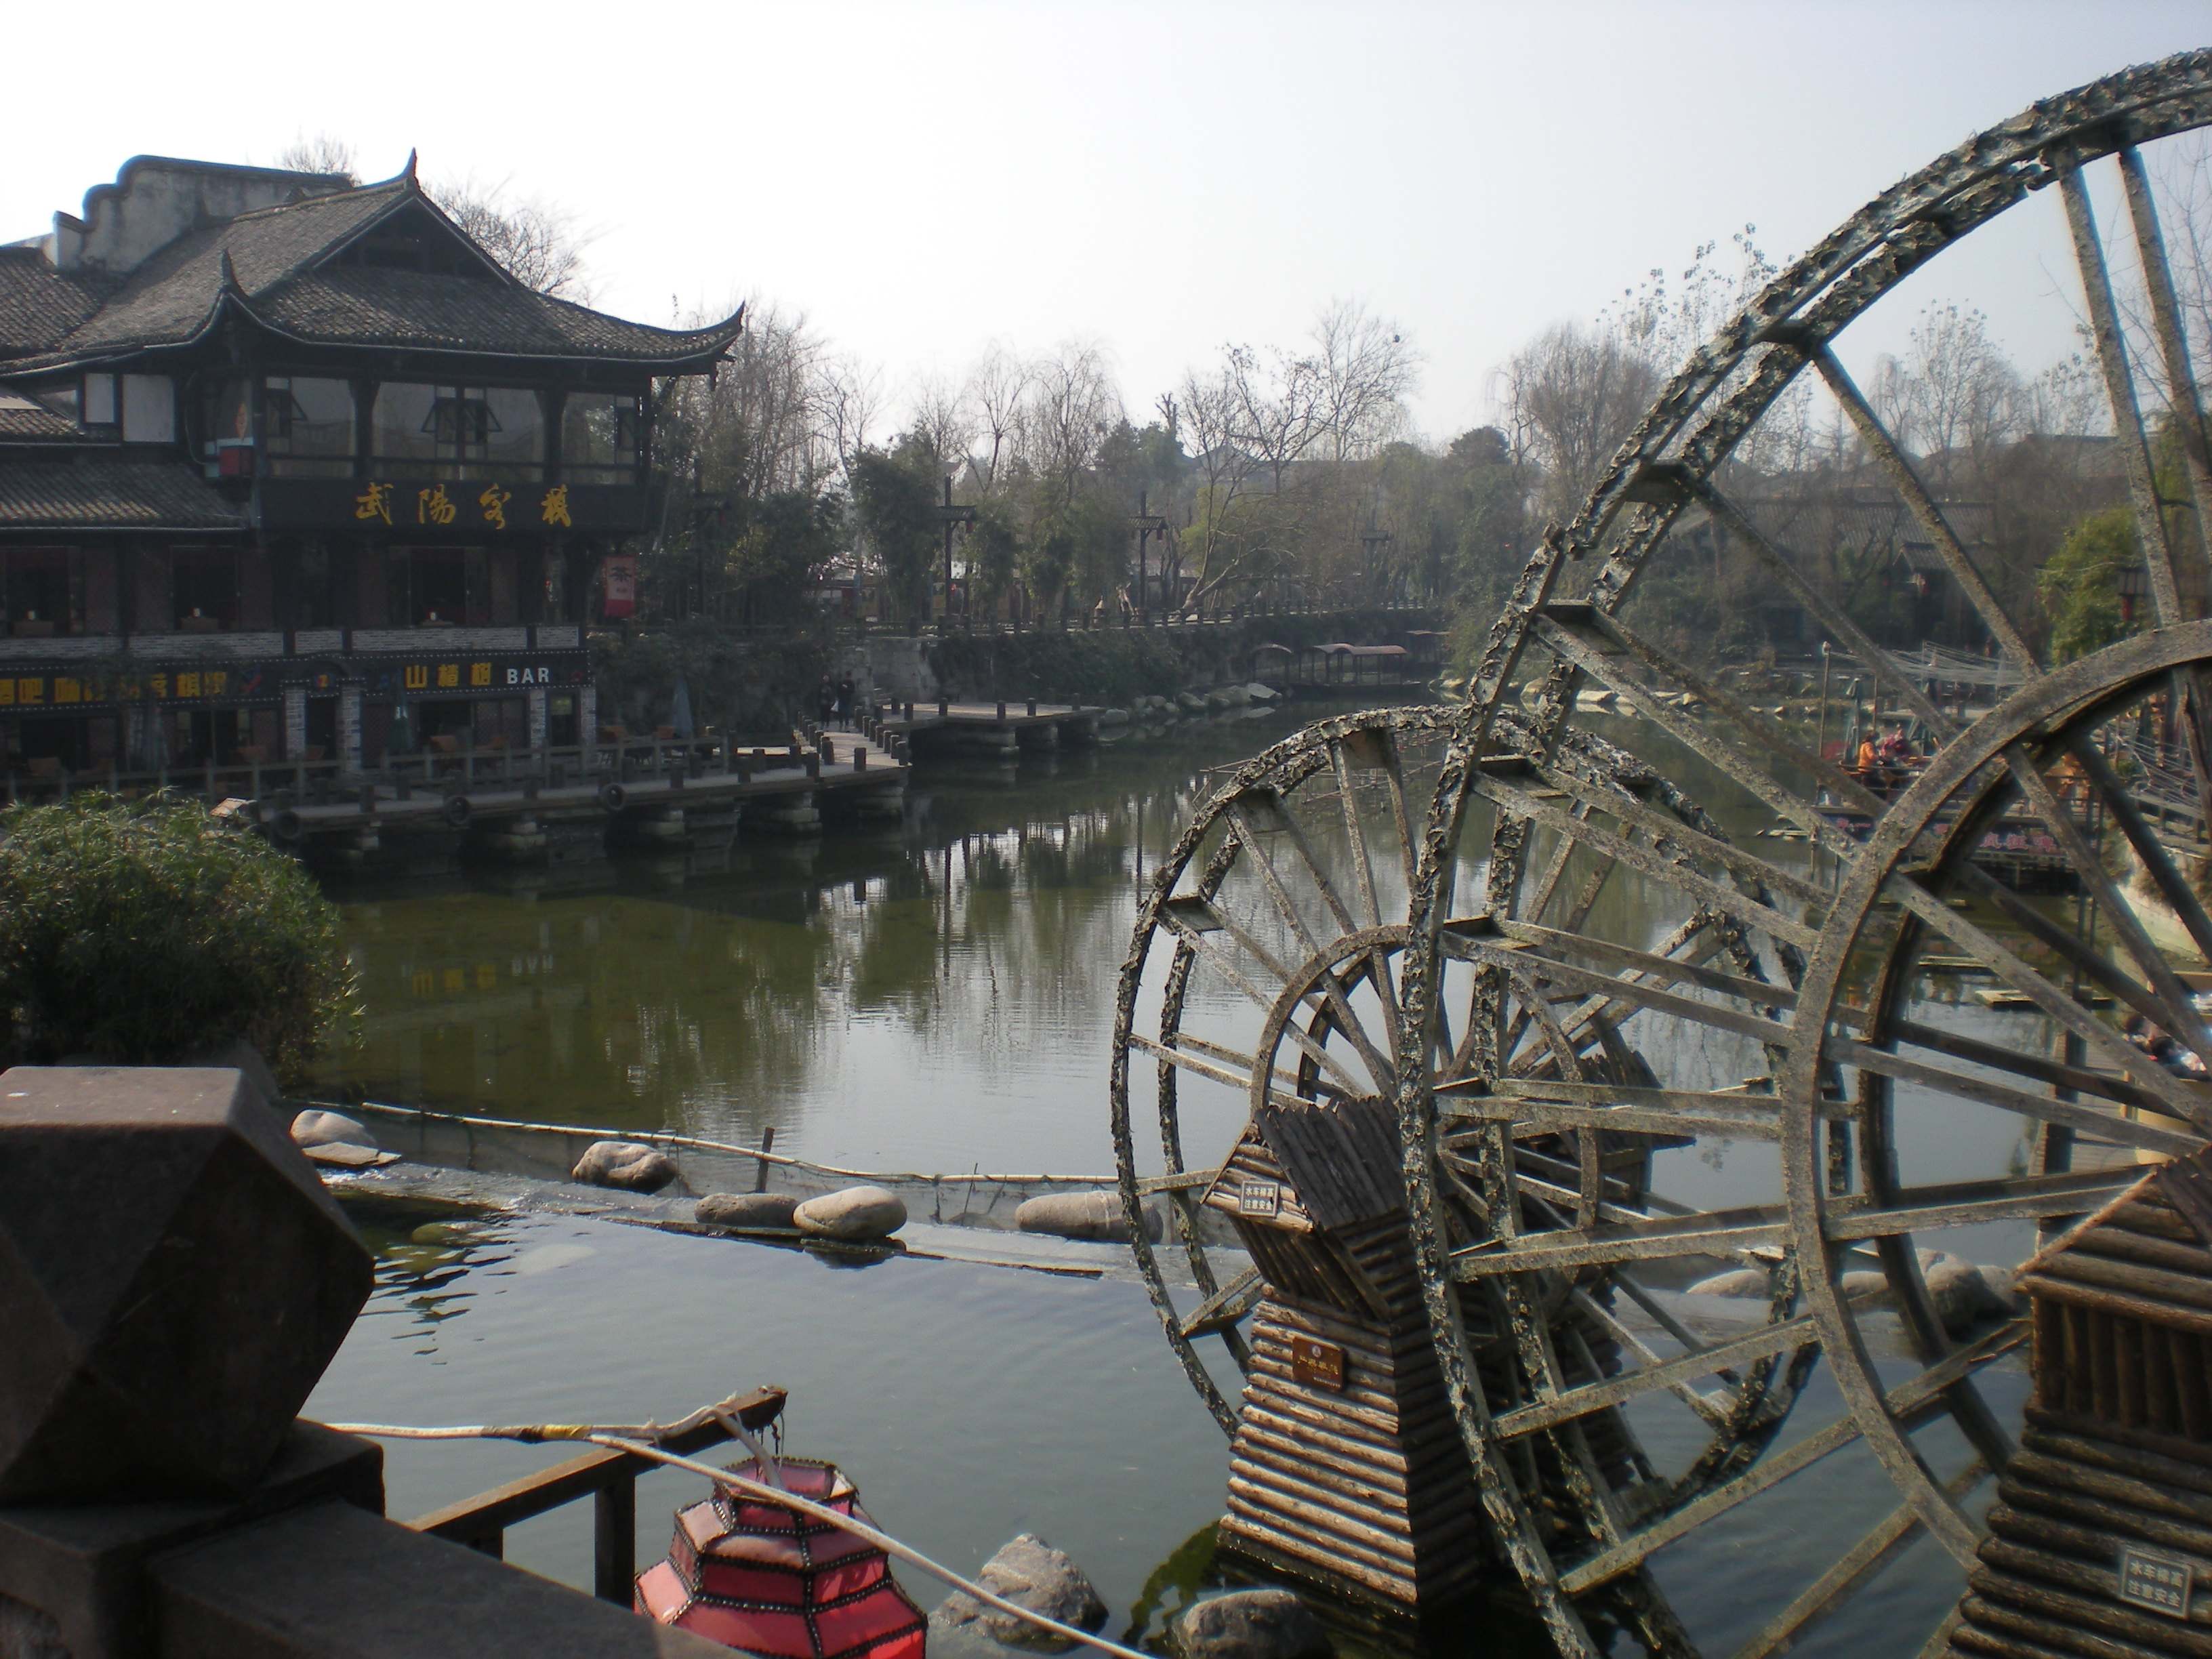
625 1440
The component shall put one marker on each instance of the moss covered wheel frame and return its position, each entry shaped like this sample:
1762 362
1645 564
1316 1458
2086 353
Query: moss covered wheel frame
1765 1060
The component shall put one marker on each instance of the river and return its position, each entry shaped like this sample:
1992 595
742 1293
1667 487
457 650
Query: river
937 995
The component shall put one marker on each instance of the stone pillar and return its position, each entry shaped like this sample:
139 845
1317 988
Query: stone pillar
540 702
349 726
296 722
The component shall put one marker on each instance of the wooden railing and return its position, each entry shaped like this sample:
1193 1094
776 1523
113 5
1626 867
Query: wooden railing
609 1479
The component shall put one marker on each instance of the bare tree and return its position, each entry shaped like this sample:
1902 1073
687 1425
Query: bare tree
322 152
1362 372
943 418
1569 398
997 387
539 242
1953 396
1071 406
849 400
1277 407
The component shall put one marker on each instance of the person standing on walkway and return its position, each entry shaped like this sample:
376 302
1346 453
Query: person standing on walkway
825 701
845 701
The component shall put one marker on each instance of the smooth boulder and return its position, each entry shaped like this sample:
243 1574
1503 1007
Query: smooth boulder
1190 702
749 1209
1254 1624
1736 1281
1258 691
1031 1574
853 1215
335 1139
316 1127
1963 1295
1094 1217
629 1166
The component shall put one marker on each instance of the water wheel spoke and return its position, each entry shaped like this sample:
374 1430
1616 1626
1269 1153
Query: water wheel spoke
1767 877
1574 635
1255 815
1603 647
2110 344
1823 610
1905 1403
1546 1108
1647 861
1202 945
1226 1307
1646 1379
1375 750
1548 884
2172 337
1969 1203
1483 941
1197 1056
2014 971
2042 1108
1717 1408
1355 836
2172 886
2170 1007
1648 968
2178 1014
1708 1232
1889 455
1859 1566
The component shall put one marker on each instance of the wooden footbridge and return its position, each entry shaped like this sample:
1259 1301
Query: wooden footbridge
996 729
500 802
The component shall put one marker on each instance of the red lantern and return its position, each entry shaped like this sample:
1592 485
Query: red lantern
753 1576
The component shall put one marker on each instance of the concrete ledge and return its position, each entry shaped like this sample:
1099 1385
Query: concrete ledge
333 1583
84 1565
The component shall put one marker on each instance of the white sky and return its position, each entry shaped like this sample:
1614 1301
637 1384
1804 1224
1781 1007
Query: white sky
921 178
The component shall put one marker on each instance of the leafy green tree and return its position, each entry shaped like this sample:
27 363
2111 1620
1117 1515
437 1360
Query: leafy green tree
895 505
148 933
2080 587
786 541
994 555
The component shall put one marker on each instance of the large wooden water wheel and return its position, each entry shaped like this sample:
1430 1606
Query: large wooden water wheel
1652 1044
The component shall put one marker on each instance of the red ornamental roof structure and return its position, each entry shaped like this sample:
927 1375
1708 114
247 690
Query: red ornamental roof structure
749 1574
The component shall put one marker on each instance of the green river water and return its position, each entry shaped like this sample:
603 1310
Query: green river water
937 995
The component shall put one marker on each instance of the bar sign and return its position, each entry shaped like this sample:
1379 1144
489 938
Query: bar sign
1317 1365
2154 1582
1260 1197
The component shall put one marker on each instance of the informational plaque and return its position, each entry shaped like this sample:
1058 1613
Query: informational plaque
2155 1582
1260 1197
1316 1363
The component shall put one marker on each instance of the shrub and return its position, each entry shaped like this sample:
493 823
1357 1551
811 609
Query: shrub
148 933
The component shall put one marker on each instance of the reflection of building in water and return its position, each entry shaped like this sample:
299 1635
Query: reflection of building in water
291 469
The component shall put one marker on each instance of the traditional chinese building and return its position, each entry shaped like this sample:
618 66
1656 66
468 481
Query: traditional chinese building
291 468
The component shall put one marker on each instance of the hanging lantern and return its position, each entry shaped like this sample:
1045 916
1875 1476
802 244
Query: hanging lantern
753 1576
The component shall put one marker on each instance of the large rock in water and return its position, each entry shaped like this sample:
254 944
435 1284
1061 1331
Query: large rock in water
334 1137
1257 1624
1029 1573
630 1165
1095 1217
855 1215
746 1210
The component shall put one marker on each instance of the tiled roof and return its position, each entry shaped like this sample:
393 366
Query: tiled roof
110 492
171 297
273 266
356 304
26 420
37 304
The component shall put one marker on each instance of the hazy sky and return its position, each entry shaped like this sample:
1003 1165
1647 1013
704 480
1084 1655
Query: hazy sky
920 179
